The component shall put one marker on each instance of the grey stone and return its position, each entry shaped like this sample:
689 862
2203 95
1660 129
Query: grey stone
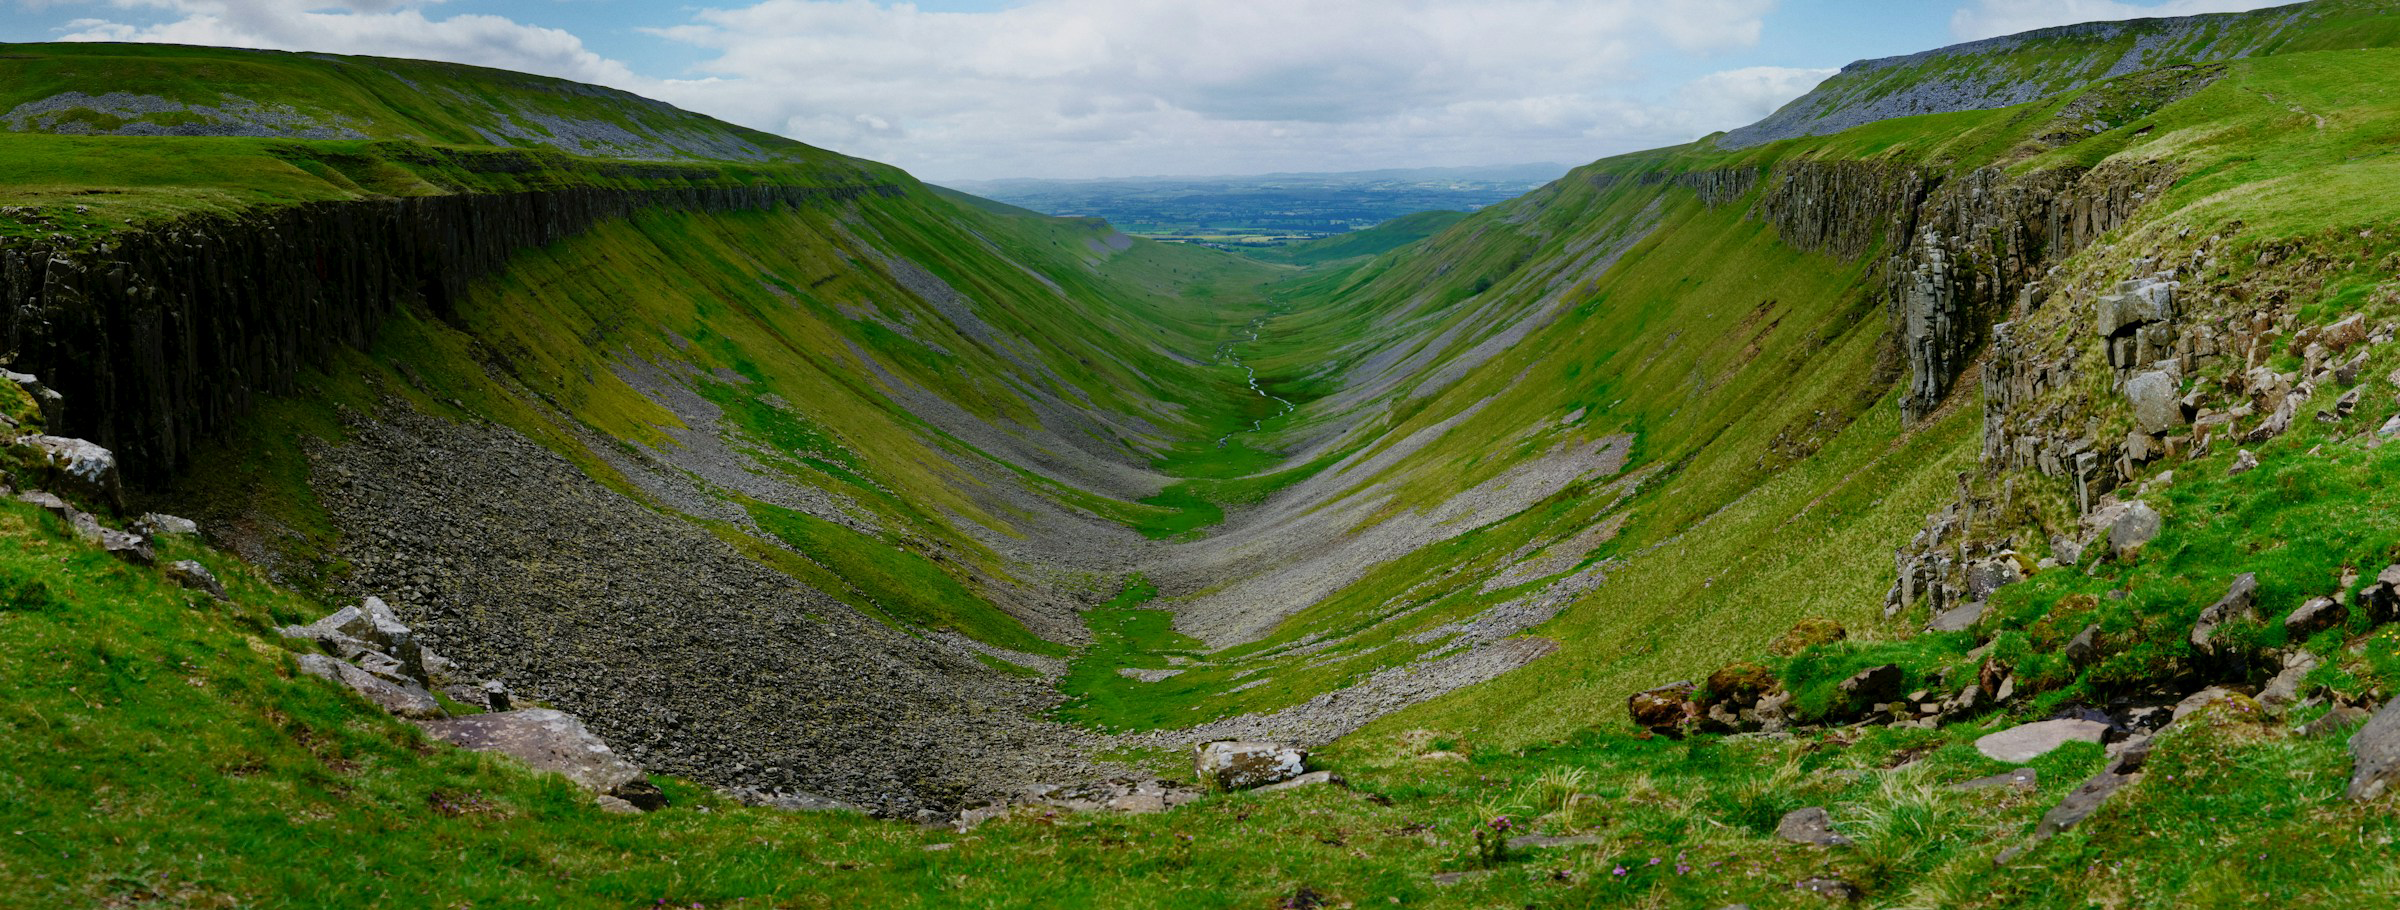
2341 718
2027 742
52 405
2084 648
2317 615
1235 765
405 701
2020 779
2284 690
543 739
2139 525
2240 600
1547 841
1311 779
79 467
1987 575
1810 826
1829 888
2155 407
2202 699
615 806
2244 461
2375 753
155 524
191 574
1958 620
48 502
2082 802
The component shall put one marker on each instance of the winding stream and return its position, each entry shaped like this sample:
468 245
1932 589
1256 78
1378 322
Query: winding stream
1230 351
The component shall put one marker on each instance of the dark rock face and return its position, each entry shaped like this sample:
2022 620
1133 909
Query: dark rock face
161 337
1872 686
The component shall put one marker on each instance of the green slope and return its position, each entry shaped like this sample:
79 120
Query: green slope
1768 479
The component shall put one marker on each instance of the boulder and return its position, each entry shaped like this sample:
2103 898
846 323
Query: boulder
1806 634
154 524
2381 600
1666 709
2084 648
2155 406
80 468
546 740
1740 684
2375 754
1234 765
2284 690
2244 462
403 700
2020 744
1810 826
2340 719
49 502
2341 336
2138 525
1311 779
2240 600
45 399
191 574
2317 615
1958 620
1987 575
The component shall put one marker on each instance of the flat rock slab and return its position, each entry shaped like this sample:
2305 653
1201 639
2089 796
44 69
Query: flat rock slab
2021 779
1543 841
1311 779
2017 745
1958 620
406 701
545 739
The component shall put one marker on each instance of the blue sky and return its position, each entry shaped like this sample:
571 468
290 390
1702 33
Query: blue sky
973 89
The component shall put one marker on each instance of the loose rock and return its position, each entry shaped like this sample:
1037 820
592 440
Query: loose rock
2375 753
191 574
1810 826
1233 765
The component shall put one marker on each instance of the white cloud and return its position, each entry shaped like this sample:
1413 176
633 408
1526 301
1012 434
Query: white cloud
1184 86
1112 87
1992 18
391 28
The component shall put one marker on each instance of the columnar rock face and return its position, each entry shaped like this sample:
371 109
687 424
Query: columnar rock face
190 323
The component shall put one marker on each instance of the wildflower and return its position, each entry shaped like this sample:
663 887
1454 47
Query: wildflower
1620 870
1654 861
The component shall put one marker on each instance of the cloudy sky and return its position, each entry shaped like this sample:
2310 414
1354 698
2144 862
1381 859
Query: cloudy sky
972 89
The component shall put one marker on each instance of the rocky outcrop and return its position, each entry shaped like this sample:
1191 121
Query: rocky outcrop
553 741
1231 765
162 336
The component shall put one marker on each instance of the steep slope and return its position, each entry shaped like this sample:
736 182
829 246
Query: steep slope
911 500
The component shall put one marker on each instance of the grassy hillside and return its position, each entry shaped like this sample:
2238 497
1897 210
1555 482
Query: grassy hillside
1440 506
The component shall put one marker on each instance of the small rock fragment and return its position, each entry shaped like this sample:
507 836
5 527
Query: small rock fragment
191 574
1810 826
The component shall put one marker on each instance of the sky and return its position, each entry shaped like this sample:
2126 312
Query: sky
983 89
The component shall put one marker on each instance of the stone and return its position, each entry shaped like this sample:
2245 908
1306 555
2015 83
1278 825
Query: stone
495 695
615 806
132 548
1810 826
1872 686
1828 888
2390 428
2082 802
1740 684
405 701
2284 690
46 399
1806 634
2240 600
2019 779
2084 648
191 574
1987 575
2341 336
2214 695
2347 404
2244 461
1235 765
49 502
2156 408
2024 743
154 524
1548 841
1958 620
1666 709
545 740
78 467
2341 718
1311 779
2375 754
2139 525
2317 615
2381 599
2067 550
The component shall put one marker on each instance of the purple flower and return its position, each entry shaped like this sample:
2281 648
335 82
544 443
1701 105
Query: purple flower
1620 870
1654 861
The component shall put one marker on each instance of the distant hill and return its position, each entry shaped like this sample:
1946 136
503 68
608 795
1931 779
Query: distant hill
1382 238
1268 210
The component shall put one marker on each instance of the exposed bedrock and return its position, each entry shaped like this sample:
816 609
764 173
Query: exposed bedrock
162 337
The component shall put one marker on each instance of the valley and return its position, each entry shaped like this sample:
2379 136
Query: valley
1947 493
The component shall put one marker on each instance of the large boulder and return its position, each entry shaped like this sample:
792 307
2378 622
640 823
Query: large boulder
2240 600
2375 754
2155 407
405 700
80 468
2024 743
1236 765
546 740
2137 525
1666 709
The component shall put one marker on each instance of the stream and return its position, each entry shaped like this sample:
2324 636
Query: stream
1230 351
